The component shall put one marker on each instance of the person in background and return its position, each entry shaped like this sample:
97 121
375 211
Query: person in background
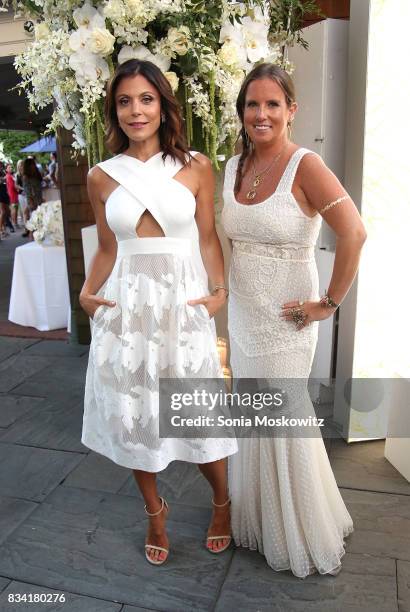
51 177
32 185
22 200
4 204
38 164
12 193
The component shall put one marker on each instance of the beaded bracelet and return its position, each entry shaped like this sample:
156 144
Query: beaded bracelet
326 300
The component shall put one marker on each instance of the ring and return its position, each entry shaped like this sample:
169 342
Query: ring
301 302
299 317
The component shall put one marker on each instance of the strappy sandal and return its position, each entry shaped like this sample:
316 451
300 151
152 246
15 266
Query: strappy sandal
151 546
219 537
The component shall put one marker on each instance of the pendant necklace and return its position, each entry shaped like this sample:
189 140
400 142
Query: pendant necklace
258 176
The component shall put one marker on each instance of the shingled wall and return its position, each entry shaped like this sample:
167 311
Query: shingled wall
77 213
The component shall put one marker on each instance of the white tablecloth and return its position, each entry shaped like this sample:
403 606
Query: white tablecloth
39 292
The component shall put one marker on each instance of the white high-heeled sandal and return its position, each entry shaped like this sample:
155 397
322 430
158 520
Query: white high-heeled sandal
219 537
160 548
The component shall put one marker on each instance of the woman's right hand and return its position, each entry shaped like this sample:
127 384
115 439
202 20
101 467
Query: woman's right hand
89 303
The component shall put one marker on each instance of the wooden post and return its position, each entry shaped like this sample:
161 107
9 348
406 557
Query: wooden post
77 213
334 9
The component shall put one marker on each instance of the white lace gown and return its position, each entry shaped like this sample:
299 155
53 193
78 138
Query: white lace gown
285 500
151 332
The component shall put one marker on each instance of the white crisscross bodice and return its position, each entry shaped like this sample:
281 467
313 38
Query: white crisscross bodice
151 186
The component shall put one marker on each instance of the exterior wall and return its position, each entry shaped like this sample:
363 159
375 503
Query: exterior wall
13 38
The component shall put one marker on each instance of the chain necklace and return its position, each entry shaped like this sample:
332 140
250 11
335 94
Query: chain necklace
258 176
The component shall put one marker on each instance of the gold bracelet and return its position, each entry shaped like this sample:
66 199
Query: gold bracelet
217 287
327 301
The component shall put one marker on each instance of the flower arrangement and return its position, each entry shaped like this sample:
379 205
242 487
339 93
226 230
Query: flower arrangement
46 223
204 48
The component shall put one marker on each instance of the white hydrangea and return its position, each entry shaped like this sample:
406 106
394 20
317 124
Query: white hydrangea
46 223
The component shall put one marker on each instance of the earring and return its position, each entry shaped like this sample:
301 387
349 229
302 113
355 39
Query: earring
289 126
162 117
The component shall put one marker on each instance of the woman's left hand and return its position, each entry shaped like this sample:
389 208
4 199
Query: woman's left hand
309 312
212 303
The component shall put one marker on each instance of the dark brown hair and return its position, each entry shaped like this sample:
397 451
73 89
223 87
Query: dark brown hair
262 71
30 168
171 131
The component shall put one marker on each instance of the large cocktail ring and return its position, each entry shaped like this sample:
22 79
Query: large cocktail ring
299 317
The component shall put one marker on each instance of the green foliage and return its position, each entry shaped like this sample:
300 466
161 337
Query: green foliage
289 15
14 140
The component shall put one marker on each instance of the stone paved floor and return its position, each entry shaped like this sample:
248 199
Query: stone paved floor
71 521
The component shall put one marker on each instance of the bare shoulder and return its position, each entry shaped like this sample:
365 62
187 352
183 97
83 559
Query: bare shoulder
312 164
204 163
95 176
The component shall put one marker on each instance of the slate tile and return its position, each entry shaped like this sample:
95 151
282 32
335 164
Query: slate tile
32 473
3 583
180 482
17 368
362 465
12 407
70 602
60 385
12 513
365 584
403 585
53 425
135 609
57 348
92 543
98 473
11 346
381 523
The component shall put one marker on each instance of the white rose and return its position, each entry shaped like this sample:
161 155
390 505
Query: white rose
172 79
178 39
228 54
41 31
101 41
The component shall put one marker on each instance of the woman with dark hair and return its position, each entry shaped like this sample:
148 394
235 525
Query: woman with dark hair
32 183
31 186
285 500
154 319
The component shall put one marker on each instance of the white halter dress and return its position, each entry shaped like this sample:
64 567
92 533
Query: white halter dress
285 500
151 332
